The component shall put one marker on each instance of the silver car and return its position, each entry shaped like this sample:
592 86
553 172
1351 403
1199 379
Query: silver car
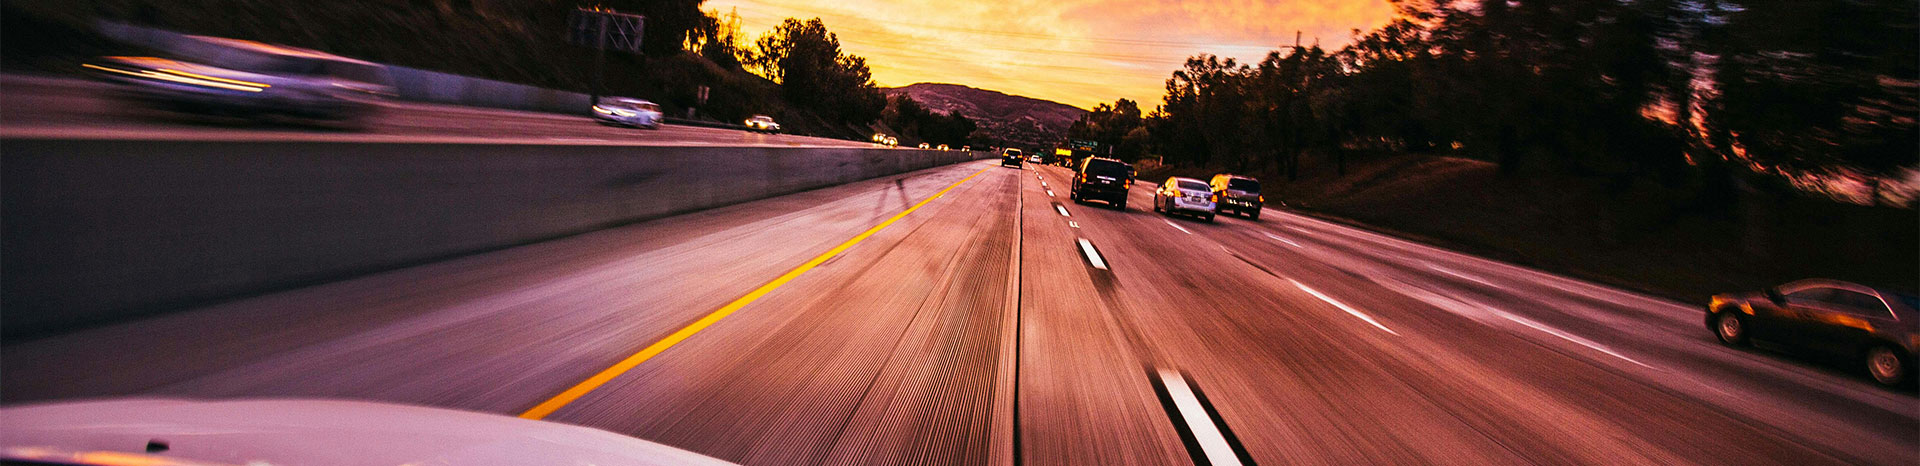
626 111
1185 196
765 124
268 81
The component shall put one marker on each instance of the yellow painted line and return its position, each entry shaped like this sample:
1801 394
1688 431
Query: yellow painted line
581 389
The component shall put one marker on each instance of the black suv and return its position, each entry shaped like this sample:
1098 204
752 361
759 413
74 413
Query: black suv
1010 158
1238 194
1103 179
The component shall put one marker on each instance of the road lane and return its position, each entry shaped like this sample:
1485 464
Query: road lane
1535 396
903 348
1084 393
885 354
1818 403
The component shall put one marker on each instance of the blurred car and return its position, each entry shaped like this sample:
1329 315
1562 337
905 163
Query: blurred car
624 111
925 146
879 138
1010 158
1185 196
1238 194
891 141
1035 158
157 431
763 124
1103 179
1876 327
966 148
306 85
942 147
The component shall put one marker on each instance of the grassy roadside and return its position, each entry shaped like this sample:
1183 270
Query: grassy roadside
1588 228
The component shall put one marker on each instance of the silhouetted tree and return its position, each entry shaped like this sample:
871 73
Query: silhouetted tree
806 60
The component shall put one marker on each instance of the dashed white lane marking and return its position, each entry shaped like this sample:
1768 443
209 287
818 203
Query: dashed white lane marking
1043 184
1284 240
1567 336
1176 227
1480 311
1049 193
1212 443
1073 224
1063 211
1342 306
1463 276
1093 257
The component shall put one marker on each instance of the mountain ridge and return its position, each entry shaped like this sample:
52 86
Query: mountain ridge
1005 119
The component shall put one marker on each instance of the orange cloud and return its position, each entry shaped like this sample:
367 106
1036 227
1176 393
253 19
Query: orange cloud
1078 52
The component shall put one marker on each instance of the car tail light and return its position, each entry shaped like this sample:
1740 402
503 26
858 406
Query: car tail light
1213 198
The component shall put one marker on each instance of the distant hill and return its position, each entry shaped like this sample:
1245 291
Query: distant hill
1007 118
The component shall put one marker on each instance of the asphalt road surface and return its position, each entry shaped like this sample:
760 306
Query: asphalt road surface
80 109
972 314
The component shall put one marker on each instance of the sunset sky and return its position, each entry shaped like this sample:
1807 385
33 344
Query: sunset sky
1077 52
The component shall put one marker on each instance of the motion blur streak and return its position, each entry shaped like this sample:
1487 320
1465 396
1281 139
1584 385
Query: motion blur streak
552 404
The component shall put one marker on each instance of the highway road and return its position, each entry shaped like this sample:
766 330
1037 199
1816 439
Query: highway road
972 314
45 107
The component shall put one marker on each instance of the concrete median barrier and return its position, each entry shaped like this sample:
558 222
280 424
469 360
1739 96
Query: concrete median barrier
101 230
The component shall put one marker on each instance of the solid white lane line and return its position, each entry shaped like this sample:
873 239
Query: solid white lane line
1073 224
1063 211
1093 256
1283 240
1176 227
1463 276
1342 306
1212 443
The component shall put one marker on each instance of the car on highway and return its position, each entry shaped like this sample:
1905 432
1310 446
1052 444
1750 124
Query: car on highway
943 147
925 146
1873 326
762 124
1103 179
259 80
1035 158
627 111
891 142
1010 158
1188 196
1238 194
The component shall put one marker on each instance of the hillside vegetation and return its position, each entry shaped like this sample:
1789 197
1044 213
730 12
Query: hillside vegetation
1683 147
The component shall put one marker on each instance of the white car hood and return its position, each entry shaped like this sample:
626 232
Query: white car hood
323 432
